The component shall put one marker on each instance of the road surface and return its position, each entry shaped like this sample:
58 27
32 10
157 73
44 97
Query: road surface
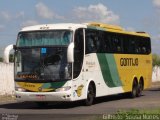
104 105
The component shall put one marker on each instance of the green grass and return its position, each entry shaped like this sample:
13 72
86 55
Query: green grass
133 114
142 111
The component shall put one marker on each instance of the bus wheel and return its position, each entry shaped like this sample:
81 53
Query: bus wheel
134 89
90 95
140 88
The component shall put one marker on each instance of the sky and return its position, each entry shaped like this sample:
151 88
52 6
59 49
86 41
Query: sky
132 15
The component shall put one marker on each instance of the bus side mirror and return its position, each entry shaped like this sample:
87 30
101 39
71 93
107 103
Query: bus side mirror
70 57
6 53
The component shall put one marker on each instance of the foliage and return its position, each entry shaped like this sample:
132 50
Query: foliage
11 58
1 59
133 114
156 60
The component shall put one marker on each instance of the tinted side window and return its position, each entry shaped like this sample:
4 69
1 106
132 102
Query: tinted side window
144 46
98 41
148 45
92 41
125 40
116 43
106 42
136 45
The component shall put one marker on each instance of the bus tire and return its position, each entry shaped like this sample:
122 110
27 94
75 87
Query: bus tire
134 89
90 95
140 88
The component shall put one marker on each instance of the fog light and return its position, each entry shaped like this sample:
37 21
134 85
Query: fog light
20 89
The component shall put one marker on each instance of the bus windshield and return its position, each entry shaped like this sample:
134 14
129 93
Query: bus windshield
43 55
47 63
41 38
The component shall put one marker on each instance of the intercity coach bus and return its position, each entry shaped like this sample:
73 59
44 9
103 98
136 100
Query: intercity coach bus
70 62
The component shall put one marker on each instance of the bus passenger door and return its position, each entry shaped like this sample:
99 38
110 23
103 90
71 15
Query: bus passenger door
78 52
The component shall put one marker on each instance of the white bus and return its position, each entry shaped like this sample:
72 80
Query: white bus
70 62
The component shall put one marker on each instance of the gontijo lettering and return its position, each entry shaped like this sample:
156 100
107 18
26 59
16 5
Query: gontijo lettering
129 61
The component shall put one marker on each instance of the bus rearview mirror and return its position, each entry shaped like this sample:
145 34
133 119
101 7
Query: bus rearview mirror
6 53
70 52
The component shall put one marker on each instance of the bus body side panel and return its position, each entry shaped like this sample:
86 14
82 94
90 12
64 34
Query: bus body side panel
130 66
110 80
113 73
92 71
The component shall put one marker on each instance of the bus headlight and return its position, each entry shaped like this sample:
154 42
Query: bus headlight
19 89
63 89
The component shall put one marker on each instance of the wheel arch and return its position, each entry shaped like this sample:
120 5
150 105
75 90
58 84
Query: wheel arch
134 86
88 83
135 80
141 79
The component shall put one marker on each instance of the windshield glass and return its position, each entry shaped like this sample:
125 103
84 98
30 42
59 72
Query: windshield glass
45 63
41 38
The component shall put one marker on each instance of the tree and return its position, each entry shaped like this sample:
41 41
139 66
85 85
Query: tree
156 60
1 59
11 58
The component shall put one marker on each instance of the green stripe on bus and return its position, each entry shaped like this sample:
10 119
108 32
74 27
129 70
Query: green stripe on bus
109 70
105 70
113 69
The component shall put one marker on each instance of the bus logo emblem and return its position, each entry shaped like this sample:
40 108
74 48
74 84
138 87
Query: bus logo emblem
39 89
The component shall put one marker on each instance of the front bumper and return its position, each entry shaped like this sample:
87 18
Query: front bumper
44 96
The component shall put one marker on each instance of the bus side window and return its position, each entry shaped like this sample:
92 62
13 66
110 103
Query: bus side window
138 47
144 45
91 41
116 43
89 44
121 42
148 45
106 42
100 42
132 45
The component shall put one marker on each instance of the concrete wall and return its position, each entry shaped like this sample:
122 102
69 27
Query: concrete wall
7 81
156 74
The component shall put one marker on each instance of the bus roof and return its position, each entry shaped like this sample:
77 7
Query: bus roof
59 26
116 28
72 26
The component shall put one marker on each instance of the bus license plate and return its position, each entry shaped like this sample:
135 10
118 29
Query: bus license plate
40 97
